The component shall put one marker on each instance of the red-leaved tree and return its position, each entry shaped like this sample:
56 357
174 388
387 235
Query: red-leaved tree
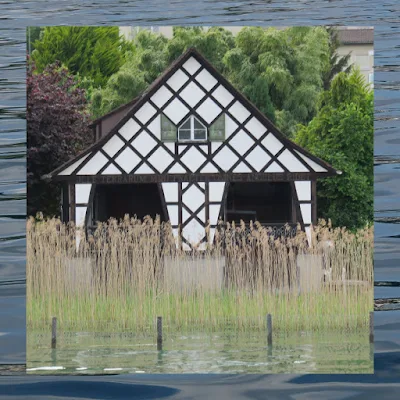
57 130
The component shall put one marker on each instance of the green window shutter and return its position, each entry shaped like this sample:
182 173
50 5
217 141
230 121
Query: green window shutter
168 130
217 129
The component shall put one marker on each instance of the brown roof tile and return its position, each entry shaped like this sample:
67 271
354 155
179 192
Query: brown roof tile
356 35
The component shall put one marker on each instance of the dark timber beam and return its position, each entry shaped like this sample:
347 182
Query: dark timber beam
314 219
193 177
65 202
72 205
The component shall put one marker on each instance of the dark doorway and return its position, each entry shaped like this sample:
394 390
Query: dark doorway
134 199
266 202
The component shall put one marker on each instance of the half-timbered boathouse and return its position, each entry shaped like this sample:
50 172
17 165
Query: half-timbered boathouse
191 149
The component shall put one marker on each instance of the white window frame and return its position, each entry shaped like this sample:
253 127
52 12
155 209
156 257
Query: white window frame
371 77
192 130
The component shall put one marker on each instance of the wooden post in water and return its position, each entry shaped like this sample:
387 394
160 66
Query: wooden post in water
159 333
371 327
269 329
53 332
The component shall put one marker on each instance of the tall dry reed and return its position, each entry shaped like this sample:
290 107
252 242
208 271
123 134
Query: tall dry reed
130 271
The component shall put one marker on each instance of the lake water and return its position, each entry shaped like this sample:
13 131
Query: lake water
385 16
223 352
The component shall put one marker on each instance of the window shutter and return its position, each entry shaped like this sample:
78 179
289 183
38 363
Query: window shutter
168 130
217 129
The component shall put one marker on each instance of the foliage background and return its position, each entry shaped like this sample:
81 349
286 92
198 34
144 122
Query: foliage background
291 75
57 130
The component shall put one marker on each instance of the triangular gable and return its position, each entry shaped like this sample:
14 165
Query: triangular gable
192 86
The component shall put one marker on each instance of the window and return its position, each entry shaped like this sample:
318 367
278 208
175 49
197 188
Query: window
192 129
185 130
217 129
168 130
371 77
363 62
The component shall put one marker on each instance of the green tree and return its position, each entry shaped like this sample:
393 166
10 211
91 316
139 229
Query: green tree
212 43
145 60
342 134
92 52
337 63
33 33
309 60
57 130
121 88
247 79
150 55
279 70
290 62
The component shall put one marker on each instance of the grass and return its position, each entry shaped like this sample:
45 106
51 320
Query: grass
129 284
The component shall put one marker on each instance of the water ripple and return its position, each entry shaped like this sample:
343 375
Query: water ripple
15 16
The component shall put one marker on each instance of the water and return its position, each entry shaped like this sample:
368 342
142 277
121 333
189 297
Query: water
14 18
222 352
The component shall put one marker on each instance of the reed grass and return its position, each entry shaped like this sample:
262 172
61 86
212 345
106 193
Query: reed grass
122 277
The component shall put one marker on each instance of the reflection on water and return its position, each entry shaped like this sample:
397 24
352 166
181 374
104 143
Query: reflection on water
200 353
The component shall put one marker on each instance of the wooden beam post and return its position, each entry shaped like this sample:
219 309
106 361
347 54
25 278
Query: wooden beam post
72 202
314 219
269 329
371 327
159 333
180 214
54 332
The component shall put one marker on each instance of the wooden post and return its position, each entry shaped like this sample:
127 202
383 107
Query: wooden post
269 329
54 332
180 215
159 333
371 327
314 218
72 202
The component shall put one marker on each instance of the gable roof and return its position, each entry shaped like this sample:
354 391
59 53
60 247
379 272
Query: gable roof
355 35
299 153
